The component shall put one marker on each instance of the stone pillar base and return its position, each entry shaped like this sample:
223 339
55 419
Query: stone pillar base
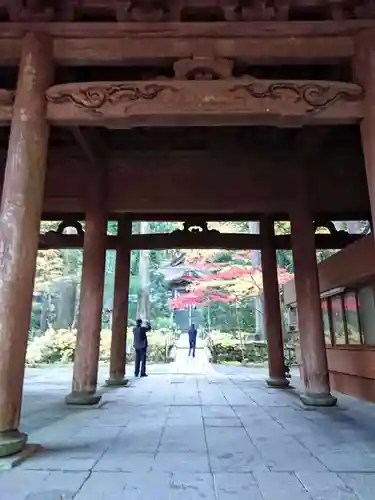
318 399
278 382
82 398
117 382
11 442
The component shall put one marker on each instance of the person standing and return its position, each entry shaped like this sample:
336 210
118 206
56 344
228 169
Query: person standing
192 340
140 347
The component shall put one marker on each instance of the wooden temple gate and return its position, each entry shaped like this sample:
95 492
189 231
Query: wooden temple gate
85 78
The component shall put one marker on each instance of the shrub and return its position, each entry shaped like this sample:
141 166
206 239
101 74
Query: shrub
59 346
228 349
224 348
52 347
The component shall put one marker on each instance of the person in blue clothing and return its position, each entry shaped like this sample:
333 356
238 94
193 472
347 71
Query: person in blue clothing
140 347
192 340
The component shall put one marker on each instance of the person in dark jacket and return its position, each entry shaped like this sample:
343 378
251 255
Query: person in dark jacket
192 340
140 347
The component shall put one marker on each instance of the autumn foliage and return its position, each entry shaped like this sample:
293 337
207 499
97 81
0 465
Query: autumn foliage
226 282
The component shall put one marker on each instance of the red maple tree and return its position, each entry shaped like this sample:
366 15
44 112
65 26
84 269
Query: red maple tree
226 282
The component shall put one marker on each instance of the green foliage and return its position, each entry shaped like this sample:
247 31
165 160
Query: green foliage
58 346
55 266
236 347
234 350
52 347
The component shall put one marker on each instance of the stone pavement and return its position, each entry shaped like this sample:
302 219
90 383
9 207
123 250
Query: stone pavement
192 431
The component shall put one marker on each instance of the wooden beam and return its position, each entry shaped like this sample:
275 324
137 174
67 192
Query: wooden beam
128 51
179 217
233 241
54 241
198 240
258 29
173 217
215 103
126 43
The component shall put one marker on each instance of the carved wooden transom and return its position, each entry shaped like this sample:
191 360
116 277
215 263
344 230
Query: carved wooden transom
193 227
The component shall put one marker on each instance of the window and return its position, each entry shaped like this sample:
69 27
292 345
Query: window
338 320
367 314
352 318
326 321
349 316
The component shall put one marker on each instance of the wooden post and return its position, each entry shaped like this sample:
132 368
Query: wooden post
310 320
364 72
21 207
272 312
117 366
86 359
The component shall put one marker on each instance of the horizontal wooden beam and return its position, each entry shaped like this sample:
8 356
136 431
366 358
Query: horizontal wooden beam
97 52
202 103
55 241
196 240
249 216
232 241
242 29
128 43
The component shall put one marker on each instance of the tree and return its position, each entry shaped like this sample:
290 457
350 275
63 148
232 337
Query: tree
226 287
143 310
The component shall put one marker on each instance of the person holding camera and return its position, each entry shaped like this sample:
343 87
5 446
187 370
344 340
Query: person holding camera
140 347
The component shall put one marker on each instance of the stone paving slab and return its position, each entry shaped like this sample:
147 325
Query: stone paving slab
192 432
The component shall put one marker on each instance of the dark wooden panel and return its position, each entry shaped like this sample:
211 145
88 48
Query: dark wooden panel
357 361
357 387
204 182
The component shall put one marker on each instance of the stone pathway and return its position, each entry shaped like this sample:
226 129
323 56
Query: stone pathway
215 433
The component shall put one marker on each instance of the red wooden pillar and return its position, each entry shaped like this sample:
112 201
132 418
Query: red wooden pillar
86 359
313 349
272 312
21 207
117 366
364 71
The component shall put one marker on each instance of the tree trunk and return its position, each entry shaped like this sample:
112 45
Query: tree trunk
258 300
143 309
67 295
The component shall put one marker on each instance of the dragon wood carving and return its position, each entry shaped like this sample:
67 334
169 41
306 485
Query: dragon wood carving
318 97
117 100
94 97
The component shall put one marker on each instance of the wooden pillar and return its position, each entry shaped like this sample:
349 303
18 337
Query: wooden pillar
86 359
21 207
272 312
117 366
364 72
310 320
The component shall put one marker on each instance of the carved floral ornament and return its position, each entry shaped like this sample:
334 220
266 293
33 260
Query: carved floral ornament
252 99
315 95
194 227
66 224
